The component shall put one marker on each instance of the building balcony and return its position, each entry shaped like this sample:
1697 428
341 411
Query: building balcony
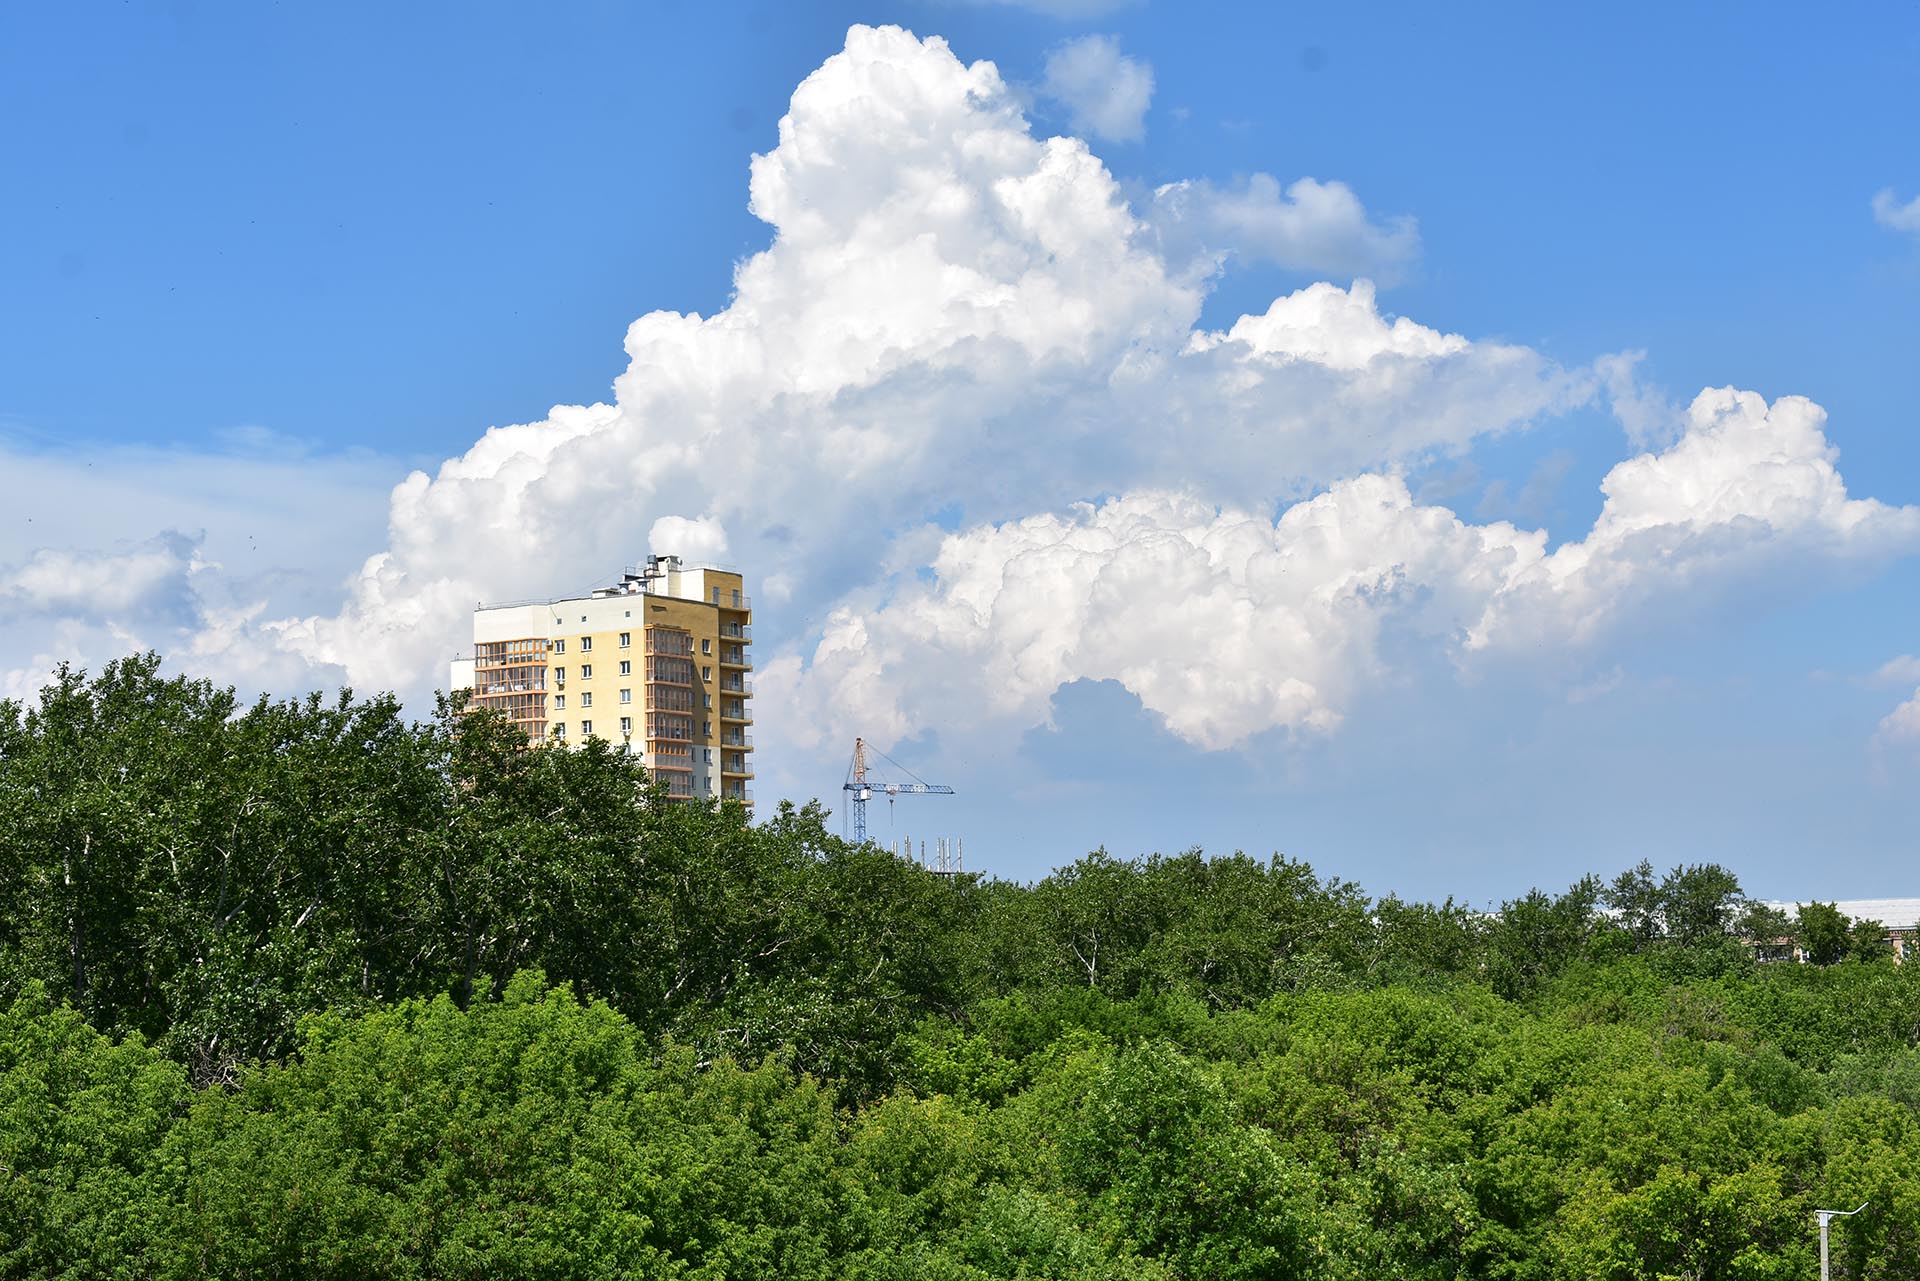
737 631
739 713
737 684
734 738
734 657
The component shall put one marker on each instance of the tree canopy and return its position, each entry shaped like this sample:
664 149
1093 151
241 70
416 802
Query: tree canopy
303 987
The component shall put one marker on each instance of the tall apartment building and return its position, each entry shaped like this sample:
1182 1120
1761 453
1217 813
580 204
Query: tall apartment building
659 661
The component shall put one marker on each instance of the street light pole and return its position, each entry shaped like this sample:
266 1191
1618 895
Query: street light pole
1826 1217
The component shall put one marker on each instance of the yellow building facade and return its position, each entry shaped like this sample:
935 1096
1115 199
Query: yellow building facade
661 661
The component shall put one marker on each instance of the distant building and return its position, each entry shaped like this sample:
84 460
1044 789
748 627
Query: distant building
1899 916
659 661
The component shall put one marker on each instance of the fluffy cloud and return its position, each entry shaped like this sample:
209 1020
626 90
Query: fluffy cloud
1226 623
1891 214
954 315
1309 226
1902 724
84 576
1338 328
1222 621
957 318
692 540
154 574
1749 489
1903 669
1105 92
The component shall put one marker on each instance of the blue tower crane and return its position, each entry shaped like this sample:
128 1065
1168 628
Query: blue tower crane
860 788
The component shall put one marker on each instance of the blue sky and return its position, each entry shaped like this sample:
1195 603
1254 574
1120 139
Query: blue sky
263 262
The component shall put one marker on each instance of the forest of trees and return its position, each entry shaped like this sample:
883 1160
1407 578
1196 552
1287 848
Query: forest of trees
304 988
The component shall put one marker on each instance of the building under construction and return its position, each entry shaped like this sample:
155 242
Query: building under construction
660 660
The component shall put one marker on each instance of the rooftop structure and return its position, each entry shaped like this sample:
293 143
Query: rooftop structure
659 661
1899 916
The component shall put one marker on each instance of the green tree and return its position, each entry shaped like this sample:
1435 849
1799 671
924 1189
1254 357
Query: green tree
1535 937
1867 940
1635 899
1699 904
1822 932
81 1119
1155 1148
1767 930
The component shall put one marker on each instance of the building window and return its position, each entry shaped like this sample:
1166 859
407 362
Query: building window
626 667
560 730
586 671
706 673
706 729
559 702
626 696
709 756
560 674
626 727
560 646
586 728
626 640
709 702
716 595
586 642
583 618
736 598
706 646
586 700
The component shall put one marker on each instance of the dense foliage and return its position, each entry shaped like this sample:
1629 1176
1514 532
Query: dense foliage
303 988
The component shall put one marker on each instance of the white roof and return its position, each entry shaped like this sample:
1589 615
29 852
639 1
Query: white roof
1894 913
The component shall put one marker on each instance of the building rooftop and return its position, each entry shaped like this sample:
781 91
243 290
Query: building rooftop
635 580
1894 913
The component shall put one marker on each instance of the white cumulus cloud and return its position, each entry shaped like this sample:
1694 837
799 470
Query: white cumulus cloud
958 321
153 574
1106 93
1891 214
1307 226
1226 623
1902 724
94 563
1903 669
1749 489
953 315
1338 328
696 540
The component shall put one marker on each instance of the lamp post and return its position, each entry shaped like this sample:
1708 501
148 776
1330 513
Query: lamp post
1826 1217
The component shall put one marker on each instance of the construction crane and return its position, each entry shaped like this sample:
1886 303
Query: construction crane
860 788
